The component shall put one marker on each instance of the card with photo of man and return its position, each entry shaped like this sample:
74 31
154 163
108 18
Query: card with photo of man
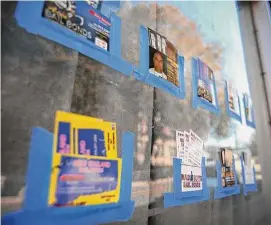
172 64
163 58
157 55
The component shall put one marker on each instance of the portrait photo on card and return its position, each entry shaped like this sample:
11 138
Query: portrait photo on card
227 172
163 58
157 55
205 86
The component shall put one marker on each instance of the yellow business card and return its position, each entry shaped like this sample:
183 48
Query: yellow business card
84 135
64 132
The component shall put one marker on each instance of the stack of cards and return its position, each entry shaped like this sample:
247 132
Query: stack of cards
189 147
190 150
85 167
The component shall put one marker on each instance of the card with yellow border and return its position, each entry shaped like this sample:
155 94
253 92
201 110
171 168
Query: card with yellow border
64 135
83 135
96 139
84 180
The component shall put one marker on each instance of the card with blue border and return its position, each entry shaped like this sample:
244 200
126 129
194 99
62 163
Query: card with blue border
78 25
189 185
227 184
248 175
249 112
204 87
35 209
232 101
160 64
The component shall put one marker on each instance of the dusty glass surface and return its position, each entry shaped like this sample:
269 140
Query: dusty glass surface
59 78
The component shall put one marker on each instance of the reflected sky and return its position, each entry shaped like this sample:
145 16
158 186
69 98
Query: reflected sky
218 22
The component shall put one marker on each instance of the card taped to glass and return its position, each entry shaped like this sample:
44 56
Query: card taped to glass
81 18
97 139
64 135
84 180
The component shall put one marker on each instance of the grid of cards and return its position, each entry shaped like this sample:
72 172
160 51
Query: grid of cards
189 147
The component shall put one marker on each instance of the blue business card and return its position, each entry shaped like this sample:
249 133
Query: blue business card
84 177
81 18
63 138
91 142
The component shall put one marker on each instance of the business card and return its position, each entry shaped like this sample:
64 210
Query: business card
84 180
81 18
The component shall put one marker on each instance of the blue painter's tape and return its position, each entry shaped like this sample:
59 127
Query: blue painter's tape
29 16
177 197
39 170
197 101
221 192
128 141
231 113
72 216
248 122
142 72
248 187
35 209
